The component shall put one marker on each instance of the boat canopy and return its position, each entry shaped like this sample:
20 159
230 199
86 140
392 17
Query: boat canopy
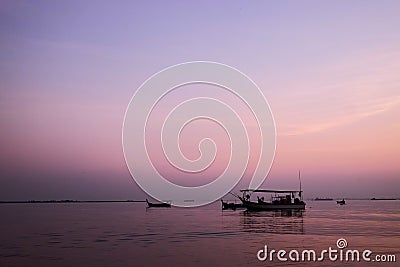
270 191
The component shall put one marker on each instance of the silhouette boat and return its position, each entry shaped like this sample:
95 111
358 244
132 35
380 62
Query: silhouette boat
279 199
341 202
231 206
158 205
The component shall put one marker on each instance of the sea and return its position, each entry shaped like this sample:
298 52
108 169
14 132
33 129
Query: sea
129 234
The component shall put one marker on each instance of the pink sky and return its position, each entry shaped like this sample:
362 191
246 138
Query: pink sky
328 70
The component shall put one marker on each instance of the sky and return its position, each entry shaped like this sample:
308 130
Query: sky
68 69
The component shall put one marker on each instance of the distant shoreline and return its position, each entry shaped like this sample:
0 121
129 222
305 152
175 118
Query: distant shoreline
384 198
67 201
143 201
346 198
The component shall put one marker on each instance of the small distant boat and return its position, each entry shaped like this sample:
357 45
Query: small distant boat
341 202
383 198
158 205
231 206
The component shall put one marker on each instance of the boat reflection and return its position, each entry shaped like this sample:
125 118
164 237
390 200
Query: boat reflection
274 222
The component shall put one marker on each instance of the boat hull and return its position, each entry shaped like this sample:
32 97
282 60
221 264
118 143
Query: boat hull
269 206
161 205
158 205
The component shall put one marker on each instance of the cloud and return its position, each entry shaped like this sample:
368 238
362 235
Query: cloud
370 109
346 90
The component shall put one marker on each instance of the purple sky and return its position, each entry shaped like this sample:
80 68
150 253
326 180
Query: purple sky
330 71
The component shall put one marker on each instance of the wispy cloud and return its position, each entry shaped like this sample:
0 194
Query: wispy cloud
369 109
343 92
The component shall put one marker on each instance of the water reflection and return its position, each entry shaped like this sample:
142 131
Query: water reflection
275 222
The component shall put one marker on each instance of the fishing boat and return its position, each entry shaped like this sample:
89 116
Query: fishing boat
158 205
341 202
279 200
231 205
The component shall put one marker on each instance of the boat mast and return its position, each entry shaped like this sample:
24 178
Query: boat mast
300 186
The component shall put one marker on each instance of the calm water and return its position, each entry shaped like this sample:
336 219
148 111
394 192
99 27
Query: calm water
128 234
